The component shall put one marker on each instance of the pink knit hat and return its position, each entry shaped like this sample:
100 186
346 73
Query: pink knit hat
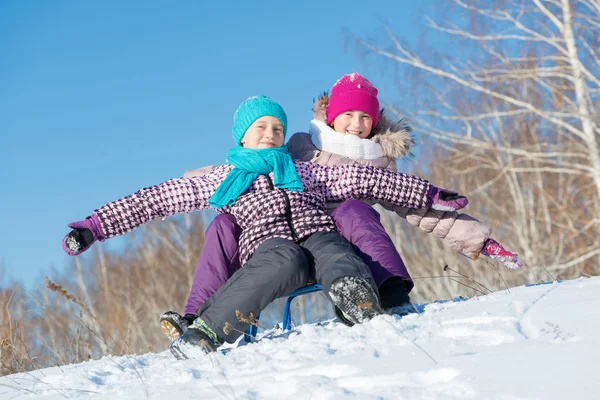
353 92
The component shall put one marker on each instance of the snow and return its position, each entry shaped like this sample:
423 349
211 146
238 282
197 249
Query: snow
538 342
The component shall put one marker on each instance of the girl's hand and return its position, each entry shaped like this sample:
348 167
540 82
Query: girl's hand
446 200
83 235
495 251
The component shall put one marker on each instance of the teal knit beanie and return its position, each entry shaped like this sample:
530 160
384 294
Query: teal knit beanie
251 110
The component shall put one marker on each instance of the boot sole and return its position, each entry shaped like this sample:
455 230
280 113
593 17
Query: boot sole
177 351
190 347
169 330
361 305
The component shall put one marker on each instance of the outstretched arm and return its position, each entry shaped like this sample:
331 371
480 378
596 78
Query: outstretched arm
181 195
361 182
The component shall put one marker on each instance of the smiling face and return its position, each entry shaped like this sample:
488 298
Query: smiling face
264 133
355 123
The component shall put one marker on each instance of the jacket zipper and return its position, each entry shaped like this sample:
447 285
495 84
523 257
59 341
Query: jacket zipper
288 209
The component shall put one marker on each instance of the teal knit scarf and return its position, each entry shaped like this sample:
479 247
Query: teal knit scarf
250 164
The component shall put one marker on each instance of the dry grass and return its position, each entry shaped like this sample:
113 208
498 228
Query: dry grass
103 303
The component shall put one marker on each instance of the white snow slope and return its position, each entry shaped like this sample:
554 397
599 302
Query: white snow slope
539 342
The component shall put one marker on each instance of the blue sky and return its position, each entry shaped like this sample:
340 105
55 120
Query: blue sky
99 99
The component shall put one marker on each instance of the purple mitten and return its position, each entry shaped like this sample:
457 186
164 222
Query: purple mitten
83 235
495 251
446 200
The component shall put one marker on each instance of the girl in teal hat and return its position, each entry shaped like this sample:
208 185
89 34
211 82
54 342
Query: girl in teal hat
288 237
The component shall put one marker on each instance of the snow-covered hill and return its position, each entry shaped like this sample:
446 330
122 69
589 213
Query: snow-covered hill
539 342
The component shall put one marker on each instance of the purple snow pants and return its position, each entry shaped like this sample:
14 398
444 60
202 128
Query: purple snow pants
358 222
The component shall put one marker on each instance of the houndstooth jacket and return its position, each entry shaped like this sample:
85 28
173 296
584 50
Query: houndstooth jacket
263 211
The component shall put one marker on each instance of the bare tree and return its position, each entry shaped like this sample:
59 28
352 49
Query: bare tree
514 120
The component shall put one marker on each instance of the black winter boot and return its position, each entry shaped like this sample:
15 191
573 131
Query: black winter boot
355 300
394 297
173 325
198 336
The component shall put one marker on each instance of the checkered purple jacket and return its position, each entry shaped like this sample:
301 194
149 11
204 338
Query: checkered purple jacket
264 212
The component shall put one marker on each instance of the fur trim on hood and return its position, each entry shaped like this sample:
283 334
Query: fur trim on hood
395 138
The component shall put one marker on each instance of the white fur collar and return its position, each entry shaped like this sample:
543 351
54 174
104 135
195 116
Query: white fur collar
326 139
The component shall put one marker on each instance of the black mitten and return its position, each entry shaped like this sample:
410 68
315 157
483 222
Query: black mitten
78 239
